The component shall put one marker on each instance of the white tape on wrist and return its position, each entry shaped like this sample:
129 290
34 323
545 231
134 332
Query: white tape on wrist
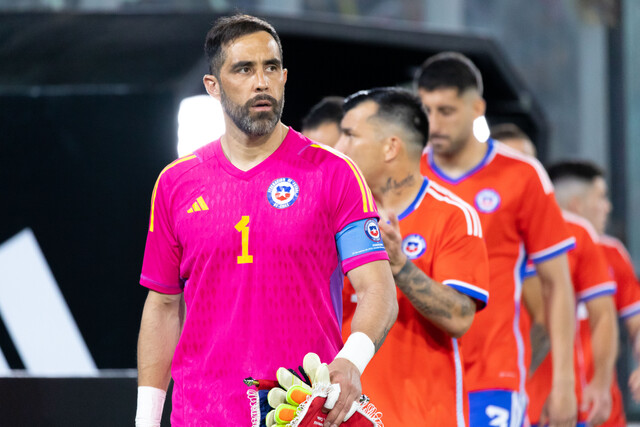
359 349
150 405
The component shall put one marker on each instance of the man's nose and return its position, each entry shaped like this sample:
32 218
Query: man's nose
262 82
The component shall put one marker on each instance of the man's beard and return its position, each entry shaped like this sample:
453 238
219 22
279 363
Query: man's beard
256 124
454 147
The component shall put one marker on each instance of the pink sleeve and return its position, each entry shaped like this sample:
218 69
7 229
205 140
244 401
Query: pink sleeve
161 264
350 201
349 196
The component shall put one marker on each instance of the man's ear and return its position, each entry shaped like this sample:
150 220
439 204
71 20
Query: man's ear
391 148
479 106
211 85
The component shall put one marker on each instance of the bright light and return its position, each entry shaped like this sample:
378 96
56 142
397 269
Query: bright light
200 121
481 129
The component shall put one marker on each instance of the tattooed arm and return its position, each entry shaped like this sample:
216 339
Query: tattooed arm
444 306
534 304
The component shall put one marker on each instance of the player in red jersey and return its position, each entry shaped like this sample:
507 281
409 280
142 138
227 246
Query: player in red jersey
532 319
594 291
520 217
586 191
437 255
628 306
583 190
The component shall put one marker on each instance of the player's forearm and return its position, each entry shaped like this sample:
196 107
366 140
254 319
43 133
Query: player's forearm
532 299
632 324
377 307
636 347
159 333
561 337
604 339
559 302
561 320
447 308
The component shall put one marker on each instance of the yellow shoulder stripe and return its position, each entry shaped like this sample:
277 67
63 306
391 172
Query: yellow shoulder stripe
155 187
367 198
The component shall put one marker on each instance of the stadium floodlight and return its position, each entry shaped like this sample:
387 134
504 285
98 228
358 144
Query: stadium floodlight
481 129
200 121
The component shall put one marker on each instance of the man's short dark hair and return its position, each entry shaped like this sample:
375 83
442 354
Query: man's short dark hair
581 170
507 131
397 106
448 70
328 110
226 30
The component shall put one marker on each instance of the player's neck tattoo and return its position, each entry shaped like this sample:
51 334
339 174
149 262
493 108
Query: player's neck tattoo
396 186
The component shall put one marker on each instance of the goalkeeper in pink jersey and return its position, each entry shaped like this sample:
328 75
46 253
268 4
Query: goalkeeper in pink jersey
254 232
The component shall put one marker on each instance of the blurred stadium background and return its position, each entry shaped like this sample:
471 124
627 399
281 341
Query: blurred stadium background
90 92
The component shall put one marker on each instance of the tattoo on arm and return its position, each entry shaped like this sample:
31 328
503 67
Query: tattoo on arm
540 346
429 300
378 342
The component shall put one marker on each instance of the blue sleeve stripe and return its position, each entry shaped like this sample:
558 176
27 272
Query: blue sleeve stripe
469 290
553 251
354 240
529 273
608 288
630 310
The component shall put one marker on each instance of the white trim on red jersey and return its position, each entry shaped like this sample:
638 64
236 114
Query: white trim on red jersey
442 194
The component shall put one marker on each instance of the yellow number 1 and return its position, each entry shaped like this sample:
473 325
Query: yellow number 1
243 227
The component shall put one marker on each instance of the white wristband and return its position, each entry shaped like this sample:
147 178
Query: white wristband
359 349
150 405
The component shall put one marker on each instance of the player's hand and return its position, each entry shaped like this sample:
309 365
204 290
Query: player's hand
393 243
347 375
561 408
597 400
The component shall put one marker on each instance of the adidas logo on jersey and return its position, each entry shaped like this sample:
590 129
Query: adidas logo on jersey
198 205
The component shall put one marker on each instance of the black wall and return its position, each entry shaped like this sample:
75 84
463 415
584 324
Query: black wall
79 171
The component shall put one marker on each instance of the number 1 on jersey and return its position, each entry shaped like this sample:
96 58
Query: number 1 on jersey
243 227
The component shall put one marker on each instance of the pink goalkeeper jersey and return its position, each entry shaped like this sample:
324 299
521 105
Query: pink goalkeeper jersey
259 257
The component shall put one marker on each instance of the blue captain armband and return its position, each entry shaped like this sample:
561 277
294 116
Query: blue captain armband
359 238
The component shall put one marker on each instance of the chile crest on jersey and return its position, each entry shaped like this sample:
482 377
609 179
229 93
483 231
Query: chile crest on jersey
487 200
414 246
372 230
282 193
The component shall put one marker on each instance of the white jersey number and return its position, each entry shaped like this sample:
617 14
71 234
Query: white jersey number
499 416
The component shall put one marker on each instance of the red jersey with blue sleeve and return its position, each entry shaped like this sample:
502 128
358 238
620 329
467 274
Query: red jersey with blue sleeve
260 256
628 290
591 279
627 301
416 377
520 217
